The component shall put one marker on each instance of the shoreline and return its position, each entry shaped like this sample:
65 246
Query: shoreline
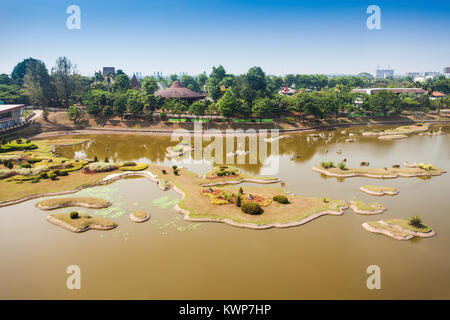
92 130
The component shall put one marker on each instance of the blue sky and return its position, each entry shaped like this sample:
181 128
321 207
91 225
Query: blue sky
191 36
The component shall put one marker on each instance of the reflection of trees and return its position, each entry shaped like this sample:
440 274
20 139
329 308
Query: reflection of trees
153 148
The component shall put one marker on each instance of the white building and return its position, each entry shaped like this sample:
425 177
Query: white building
11 115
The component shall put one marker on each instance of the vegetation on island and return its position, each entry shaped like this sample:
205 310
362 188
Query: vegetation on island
86 202
401 229
77 222
344 172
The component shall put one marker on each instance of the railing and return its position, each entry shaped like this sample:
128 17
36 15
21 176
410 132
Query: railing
16 126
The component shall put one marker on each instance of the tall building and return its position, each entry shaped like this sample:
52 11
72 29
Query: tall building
447 72
385 73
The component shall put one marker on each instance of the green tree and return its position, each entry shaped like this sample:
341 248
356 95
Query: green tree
134 102
262 107
384 101
121 83
21 69
149 85
198 108
228 105
37 84
74 113
120 104
218 73
201 80
190 83
64 83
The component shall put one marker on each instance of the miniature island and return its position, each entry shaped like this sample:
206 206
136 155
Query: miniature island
369 208
341 171
139 216
379 191
403 130
76 222
400 229
85 202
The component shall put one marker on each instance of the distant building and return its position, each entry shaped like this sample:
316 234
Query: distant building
417 91
413 74
385 73
11 115
109 71
134 82
433 74
287 91
437 95
447 72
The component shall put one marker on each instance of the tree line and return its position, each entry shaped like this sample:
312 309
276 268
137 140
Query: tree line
253 94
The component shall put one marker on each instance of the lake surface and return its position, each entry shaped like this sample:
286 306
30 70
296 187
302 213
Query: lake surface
169 258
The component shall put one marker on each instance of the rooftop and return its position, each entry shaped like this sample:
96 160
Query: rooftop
176 90
9 107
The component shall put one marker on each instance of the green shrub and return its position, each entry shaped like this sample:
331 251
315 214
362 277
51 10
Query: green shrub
289 119
35 181
57 172
241 191
63 173
176 172
281 199
238 200
326 165
326 200
52 175
74 215
129 164
416 221
25 165
106 159
95 159
251 208
164 171
19 141
43 175
174 167
342 166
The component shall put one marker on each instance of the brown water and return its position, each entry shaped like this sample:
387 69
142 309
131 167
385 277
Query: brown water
169 258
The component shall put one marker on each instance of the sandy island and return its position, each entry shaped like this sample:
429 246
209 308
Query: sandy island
379 191
81 224
398 229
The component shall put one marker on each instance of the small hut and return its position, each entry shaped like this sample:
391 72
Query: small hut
177 91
